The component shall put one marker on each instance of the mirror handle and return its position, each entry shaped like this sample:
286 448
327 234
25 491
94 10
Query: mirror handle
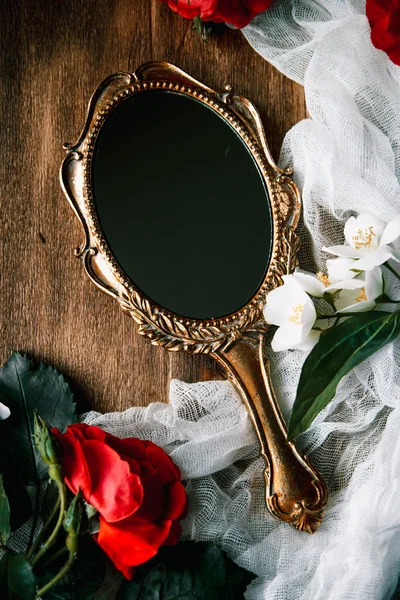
295 491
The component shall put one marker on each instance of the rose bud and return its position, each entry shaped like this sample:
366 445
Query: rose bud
72 523
134 486
47 447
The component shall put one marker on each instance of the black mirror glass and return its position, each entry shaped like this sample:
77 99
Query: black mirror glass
182 204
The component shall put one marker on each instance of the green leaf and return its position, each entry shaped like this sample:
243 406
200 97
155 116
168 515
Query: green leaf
25 387
17 581
338 351
204 29
188 571
5 528
85 577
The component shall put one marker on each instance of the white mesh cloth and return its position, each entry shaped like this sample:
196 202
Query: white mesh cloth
347 158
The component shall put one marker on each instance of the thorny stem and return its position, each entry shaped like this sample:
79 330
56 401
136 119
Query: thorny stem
35 517
56 555
42 531
59 575
52 538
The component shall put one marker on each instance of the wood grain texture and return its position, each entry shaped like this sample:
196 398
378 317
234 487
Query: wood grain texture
53 55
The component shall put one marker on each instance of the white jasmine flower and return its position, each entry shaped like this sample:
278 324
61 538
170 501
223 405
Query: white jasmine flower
318 285
4 412
340 269
292 310
369 241
315 285
362 299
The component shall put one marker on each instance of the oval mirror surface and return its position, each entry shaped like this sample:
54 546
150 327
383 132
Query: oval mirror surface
182 204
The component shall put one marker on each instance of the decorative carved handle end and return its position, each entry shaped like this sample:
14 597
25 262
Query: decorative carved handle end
304 516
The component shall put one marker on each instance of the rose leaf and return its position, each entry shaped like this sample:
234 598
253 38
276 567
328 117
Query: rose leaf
24 387
339 350
188 571
5 527
17 581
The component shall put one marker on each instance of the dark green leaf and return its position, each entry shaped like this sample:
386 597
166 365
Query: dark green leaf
84 578
3 577
17 581
5 528
188 571
338 351
25 387
203 29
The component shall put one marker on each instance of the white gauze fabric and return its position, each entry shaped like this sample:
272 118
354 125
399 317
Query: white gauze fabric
346 159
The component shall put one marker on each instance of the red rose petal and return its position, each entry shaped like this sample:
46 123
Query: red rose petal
115 492
76 471
386 41
95 433
153 500
128 571
257 6
175 501
384 18
187 12
132 543
237 12
394 55
77 431
192 8
376 10
132 447
146 468
174 534
159 458
134 465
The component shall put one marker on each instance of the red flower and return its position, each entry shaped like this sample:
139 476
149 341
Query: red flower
133 484
237 12
384 18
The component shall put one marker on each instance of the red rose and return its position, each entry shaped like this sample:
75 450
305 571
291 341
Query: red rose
133 484
237 12
384 18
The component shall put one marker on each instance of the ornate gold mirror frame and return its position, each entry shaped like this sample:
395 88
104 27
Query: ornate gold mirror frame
295 492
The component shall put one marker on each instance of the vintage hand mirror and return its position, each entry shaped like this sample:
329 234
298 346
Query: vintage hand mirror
188 224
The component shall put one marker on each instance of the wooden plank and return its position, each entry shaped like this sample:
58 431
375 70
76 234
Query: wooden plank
53 55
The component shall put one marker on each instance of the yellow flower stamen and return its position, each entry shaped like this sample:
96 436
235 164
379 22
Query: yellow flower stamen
295 317
364 238
362 297
323 278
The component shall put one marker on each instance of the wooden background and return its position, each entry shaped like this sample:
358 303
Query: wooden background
53 55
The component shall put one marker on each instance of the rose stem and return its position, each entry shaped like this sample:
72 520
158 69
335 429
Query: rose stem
59 553
59 575
51 539
42 531
35 517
